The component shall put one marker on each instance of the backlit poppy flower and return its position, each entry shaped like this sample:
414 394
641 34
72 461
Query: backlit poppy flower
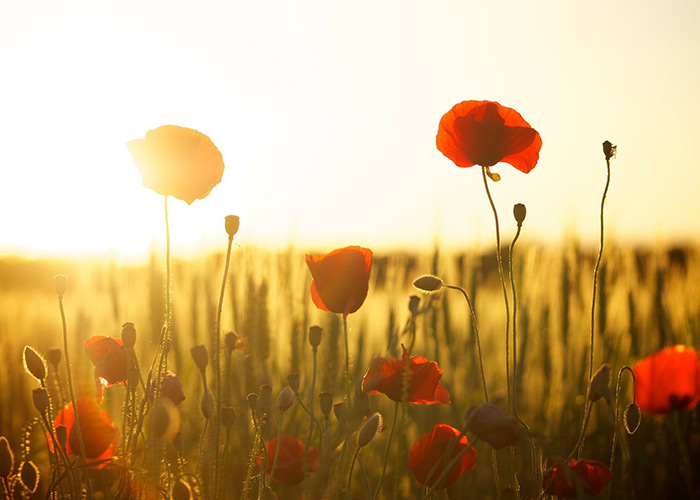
100 435
492 424
385 375
341 279
589 476
290 462
178 161
485 133
668 380
109 357
428 456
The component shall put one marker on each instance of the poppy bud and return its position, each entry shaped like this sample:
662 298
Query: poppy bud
265 397
252 399
609 150
29 476
315 333
181 491
60 283
40 398
128 335
413 304
232 223
206 404
62 435
171 388
599 383
428 283
54 355
341 411
519 212
293 381
231 341
631 418
228 416
326 401
285 399
34 364
200 357
369 430
7 458
492 424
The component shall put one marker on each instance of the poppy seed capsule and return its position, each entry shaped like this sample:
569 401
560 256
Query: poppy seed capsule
609 150
315 334
326 402
60 283
252 400
232 224
40 398
228 416
369 430
231 341
200 357
54 356
293 381
128 335
285 399
7 458
34 364
341 411
413 304
428 283
519 212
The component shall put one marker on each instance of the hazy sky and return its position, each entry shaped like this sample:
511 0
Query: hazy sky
326 114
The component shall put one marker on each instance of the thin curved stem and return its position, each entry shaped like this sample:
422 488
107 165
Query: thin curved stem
352 466
386 452
348 419
617 421
312 420
515 320
277 449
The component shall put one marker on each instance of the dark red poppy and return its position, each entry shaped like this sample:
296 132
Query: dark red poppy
109 357
290 462
668 380
385 375
100 435
178 161
589 476
492 424
485 133
428 456
341 279
171 388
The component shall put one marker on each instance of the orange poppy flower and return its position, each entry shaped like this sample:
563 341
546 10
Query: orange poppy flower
109 357
100 435
485 133
341 279
386 376
290 462
431 449
590 476
178 161
668 380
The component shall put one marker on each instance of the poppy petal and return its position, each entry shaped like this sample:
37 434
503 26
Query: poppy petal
428 456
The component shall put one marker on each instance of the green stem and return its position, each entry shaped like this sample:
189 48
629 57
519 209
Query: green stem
386 451
352 466
347 392
277 449
305 462
515 319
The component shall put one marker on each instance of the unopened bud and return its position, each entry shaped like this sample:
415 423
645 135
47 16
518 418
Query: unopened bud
599 383
228 416
428 283
232 223
631 418
326 402
413 304
7 458
285 399
369 430
341 411
315 334
206 404
609 150
54 355
293 381
519 212
252 399
62 435
60 283
29 476
40 398
34 364
128 335
265 397
200 357
171 388
181 491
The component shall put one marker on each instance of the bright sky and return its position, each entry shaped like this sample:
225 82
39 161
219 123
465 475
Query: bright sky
326 114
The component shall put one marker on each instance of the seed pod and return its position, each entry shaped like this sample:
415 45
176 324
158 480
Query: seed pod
293 381
315 334
369 430
265 397
326 402
609 150
54 356
428 283
200 357
519 212
232 222
252 399
60 283
413 304
285 399
181 491
7 458
228 416
341 411
34 364
40 398
128 335
29 476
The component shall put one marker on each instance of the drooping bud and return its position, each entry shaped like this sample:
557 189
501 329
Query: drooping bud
228 416
341 411
253 400
293 381
428 283
29 476
599 383
60 283
232 224
34 364
369 430
609 150
7 458
128 335
40 398
413 304
265 397
326 403
54 356
631 418
315 334
285 399
519 212
200 357
181 491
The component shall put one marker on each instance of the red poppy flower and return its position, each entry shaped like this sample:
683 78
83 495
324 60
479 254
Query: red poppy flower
485 133
668 380
341 279
100 435
590 476
178 161
424 387
290 462
492 424
109 357
431 449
